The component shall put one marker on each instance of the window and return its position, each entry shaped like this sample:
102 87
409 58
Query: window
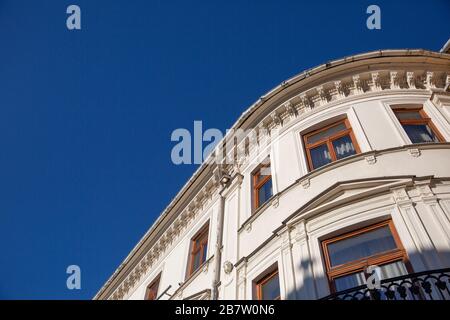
268 287
348 256
199 247
262 185
417 125
331 143
152 289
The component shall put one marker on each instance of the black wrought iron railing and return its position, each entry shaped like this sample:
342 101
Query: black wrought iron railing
427 285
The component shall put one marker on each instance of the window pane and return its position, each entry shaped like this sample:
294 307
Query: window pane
263 173
151 295
392 270
205 248
361 246
320 156
196 261
420 133
326 133
387 271
343 147
264 192
152 290
271 289
410 115
349 281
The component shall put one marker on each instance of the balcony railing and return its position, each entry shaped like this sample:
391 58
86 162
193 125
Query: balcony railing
427 285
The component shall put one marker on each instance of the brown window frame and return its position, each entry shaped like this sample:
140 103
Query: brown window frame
424 121
329 141
150 293
261 282
258 185
202 235
361 265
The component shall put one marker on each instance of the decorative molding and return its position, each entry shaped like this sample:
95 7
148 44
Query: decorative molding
430 80
415 152
424 189
400 196
411 80
394 83
357 84
371 159
375 85
275 201
342 89
206 267
305 183
299 231
228 267
291 110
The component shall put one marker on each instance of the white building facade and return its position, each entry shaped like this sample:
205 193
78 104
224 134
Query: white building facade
342 173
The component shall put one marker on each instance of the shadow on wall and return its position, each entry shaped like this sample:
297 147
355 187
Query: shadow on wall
429 280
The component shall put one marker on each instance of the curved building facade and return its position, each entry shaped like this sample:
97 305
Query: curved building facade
338 181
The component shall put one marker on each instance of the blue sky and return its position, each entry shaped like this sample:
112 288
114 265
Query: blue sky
86 116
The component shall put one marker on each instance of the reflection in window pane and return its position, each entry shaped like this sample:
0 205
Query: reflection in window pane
343 147
205 248
391 270
349 281
410 115
361 246
420 133
271 289
196 262
326 133
264 171
320 156
265 192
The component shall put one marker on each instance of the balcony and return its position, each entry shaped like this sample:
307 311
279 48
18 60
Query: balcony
427 285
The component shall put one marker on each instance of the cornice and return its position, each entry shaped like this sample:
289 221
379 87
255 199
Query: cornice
352 87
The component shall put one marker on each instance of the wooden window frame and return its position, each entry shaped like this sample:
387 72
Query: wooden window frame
360 265
266 278
202 235
149 290
258 185
424 121
329 140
